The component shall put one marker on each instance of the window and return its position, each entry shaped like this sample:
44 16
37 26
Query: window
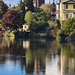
66 15
70 15
73 6
66 6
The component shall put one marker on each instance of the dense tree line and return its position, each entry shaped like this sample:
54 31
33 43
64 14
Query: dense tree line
26 13
36 21
24 6
3 8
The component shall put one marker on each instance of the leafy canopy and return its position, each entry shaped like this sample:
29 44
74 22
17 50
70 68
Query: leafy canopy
29 17
46 9
24 6
3 8
36 21
11 19
69 26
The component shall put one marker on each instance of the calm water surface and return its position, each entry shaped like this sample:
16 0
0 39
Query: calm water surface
36 57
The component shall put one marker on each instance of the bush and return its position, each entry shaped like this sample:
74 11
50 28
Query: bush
60 36
60 33
69 26
38 27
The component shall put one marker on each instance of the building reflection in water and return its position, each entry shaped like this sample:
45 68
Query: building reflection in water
26 44
67 59
37 56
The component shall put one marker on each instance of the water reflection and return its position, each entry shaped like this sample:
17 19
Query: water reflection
67 59
36 57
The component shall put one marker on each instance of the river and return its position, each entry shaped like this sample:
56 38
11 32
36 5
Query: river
36 57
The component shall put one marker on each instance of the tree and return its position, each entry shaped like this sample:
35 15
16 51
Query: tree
38 27
69 26
11 19
36 21
30 5
3 8
21 9
24 6
29 17
39 15
46 9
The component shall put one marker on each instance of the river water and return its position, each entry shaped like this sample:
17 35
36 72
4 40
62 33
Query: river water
36 57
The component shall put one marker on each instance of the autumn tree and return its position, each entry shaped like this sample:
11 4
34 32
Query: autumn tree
11 19
3 8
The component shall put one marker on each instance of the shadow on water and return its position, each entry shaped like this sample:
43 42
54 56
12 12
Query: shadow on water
36 56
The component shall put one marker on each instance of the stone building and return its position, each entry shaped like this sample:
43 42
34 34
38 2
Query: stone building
65 9
57 11
38 3
53 11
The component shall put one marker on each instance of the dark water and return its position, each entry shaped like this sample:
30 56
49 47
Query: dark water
36 57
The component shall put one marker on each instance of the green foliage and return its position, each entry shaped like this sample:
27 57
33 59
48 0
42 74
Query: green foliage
9 31
42 27
72 36
33 27
30 5
52 25
69 26
21 8
58 24
14 32
36 21
3 8
46 9
29 17
38 27
60 33
39 15
25 5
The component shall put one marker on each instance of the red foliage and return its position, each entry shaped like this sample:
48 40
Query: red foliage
11 18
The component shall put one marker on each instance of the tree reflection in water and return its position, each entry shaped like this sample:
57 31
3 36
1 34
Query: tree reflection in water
37 56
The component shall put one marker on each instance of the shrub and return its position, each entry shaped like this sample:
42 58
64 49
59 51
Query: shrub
39 27
69 26
60 33
72 36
